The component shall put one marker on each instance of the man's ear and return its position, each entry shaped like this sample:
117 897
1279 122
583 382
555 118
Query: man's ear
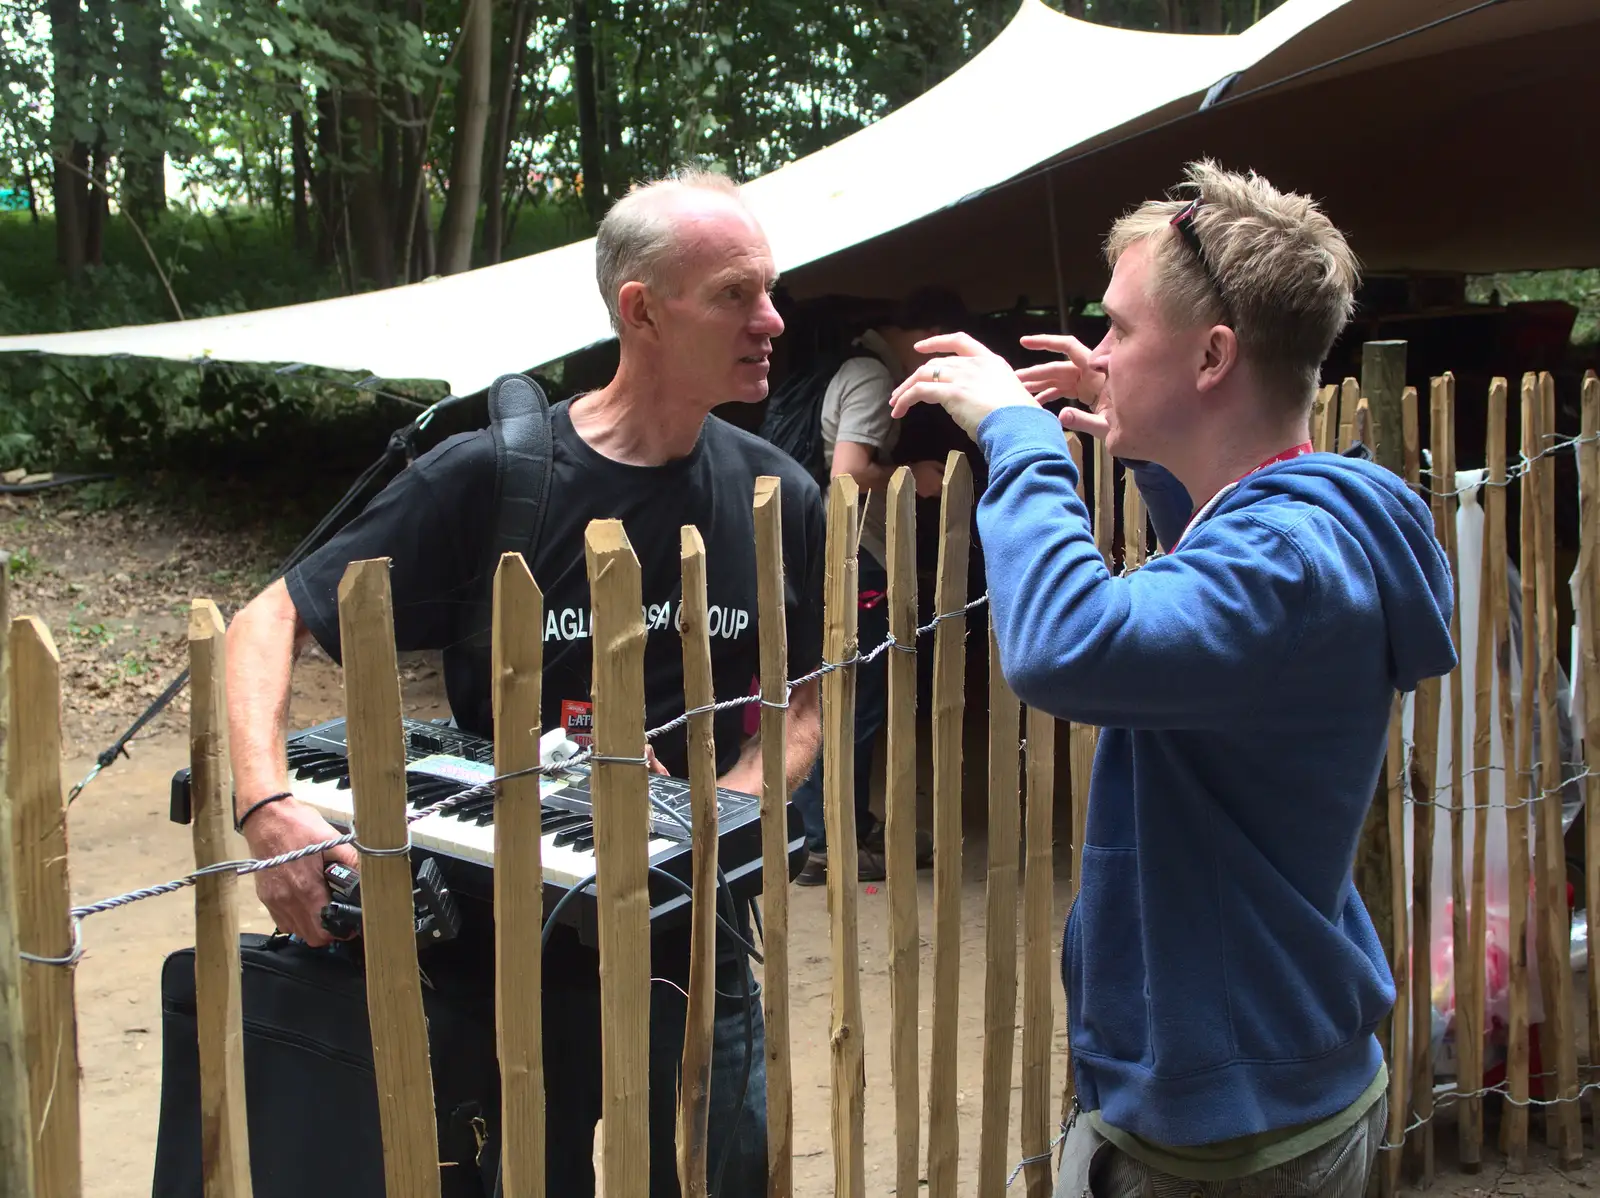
634 304
1219 358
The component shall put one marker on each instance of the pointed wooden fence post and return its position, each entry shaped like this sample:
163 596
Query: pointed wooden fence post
1000 929
517 653
773 632
378 789
1588 674
44 922
949 669
224 1134
1556 926
1519 806
1040 977
900 829
620 789
16 1145
694 1085
838 785
1349 397
1425 791
1377 403
1081 740
1325 420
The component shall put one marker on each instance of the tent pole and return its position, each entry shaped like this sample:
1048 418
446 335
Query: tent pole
1055 249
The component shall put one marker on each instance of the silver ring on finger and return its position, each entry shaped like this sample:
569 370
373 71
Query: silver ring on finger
936 373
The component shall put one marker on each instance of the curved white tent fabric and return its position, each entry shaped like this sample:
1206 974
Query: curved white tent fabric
921 195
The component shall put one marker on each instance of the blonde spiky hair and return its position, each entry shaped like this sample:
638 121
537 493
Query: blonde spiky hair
1270 265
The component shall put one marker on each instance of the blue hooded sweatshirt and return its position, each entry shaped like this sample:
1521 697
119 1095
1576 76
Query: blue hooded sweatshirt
1223 976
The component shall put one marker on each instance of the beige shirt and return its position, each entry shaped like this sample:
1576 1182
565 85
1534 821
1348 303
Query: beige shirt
855 408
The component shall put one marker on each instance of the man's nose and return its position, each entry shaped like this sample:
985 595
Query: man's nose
766 322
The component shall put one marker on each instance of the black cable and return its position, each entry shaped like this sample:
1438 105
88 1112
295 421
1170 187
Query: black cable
724 892
400 444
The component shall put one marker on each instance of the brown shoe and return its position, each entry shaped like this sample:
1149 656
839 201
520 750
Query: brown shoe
814 872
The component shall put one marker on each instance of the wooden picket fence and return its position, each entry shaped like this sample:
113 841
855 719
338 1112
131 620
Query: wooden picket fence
39 1094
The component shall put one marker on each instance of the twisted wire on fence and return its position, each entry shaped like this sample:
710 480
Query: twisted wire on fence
251 866
1502 1089
478 790
1520 465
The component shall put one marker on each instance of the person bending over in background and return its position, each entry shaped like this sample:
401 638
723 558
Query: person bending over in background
858 438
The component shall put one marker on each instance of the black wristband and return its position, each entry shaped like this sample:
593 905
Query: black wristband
238 824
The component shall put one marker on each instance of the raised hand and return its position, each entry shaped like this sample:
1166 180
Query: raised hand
1074 378
969 384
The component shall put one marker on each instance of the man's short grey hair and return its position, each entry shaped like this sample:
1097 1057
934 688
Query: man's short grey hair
637 242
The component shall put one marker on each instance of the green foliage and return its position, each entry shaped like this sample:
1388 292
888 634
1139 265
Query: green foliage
23 563
62 413
1580 288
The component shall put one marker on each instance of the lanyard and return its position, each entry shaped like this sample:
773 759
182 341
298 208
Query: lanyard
1287 455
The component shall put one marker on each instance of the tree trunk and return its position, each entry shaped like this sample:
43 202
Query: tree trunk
98 212
460 219
301 182
71 197
590 162
367 213
508 101
27 185
144 135
606 98
1074 8
1210 16
391 138
324 183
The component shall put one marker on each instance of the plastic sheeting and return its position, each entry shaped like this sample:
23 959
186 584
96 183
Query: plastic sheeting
1469 535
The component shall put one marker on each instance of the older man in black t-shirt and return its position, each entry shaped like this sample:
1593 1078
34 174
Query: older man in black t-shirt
686 274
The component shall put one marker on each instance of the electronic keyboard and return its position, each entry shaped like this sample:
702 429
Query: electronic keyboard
442 761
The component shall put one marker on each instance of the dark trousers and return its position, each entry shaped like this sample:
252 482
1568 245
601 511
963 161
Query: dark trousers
872 683
572 1089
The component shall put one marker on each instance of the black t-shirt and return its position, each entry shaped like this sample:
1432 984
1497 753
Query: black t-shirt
434 523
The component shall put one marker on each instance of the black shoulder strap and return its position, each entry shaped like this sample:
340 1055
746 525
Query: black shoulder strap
519 422
519 419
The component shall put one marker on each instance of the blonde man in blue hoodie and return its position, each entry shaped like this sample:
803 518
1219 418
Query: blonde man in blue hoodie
1224 979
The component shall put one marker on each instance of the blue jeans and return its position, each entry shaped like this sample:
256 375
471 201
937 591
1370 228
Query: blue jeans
572 1089
872 682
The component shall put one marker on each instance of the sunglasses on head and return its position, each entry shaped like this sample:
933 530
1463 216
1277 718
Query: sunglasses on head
1183 222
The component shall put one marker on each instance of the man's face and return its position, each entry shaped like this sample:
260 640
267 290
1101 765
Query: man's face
1149 397
717 322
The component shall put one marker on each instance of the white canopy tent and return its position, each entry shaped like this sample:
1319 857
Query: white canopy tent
958 185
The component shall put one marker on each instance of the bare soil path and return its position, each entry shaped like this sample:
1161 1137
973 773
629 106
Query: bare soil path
114 587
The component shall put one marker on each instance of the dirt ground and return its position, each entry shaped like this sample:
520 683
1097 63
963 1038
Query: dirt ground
114 587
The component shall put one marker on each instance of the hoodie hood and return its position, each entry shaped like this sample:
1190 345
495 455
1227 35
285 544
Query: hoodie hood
1396 538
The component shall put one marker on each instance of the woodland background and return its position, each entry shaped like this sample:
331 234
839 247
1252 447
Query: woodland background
177 158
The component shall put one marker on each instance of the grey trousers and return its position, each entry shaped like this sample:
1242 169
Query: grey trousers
1093 1167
